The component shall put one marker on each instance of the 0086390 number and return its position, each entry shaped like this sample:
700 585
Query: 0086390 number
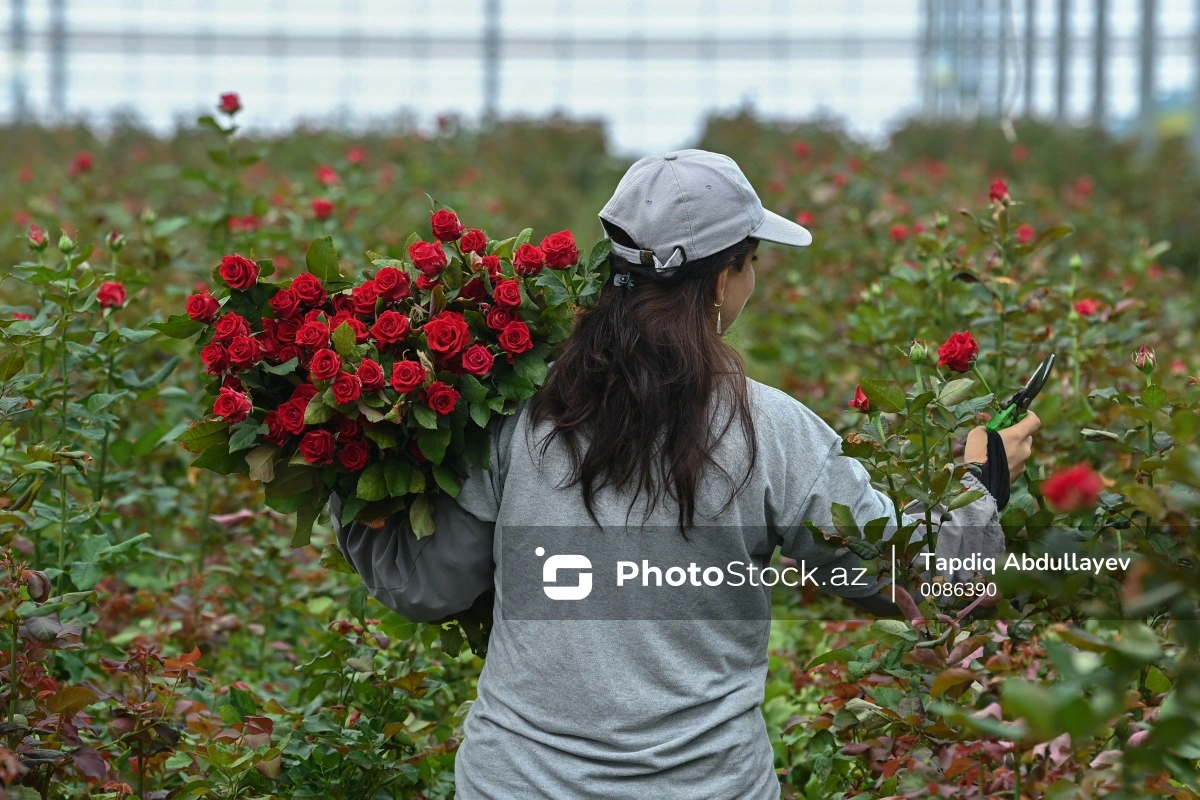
947 589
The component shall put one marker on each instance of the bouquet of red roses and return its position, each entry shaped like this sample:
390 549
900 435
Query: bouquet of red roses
381 389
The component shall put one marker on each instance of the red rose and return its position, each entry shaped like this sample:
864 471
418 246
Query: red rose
370 374
498 318
559 250
36 238
1087 307
899 233
446 226
492 265
515 339
441 398
507 293
528 260
308 289
215 358
111 295
429 257
244 351
287 329
291 415
347 388
230 103
304 392
347 428
203 307
392 283
354 455
270 347
1026 234
83 163
998 192
356 155
317 447
325 365
285 304
343 303
287 353
233 382
860 401
229 326
238 272
473 290
326 174
313 335
1073 489
473 241
276 432
447 333
427 282
356 325
959 351
364 297
477 360
232 406
391 327
407 375
322 207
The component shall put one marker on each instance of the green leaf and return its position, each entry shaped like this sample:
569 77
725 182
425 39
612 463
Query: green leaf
522 238
398 476
447 479
532 368
890 631
178 326
317 413
885 395
1044 239
203 434
1154 397
420 515
371 484
11 362
218 459
322 259
344 340
842 654
243 435
599 254
472 390
158 376
86 574
261 461
843 520
433 443
954 392
481 414
286 368
964 499
425 416
306 516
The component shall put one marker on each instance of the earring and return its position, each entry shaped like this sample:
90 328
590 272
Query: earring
718 306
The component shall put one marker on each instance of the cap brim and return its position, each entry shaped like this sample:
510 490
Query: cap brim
781 230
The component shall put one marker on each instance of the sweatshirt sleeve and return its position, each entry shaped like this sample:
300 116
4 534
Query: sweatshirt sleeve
813 475
437 576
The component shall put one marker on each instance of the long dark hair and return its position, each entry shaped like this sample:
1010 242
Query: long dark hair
637 391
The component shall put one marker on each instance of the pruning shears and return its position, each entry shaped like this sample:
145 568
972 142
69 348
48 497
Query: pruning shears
1016 408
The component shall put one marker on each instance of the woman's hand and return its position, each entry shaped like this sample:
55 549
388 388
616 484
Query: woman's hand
1018 444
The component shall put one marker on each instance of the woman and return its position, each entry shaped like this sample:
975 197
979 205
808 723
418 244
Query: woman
648 448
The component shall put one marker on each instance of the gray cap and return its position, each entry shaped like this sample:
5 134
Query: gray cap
689 204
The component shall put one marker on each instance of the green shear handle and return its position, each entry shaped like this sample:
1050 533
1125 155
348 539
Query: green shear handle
1016 408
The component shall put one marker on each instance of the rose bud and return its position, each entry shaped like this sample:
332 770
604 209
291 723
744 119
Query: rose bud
277 432
998 192
860 401
514 339
1073 489
232 406
917 352
429 257
1087 307
215 358
477 360
559 250
322 208
1144 359
1026 234
959 352
347 388
347 428
111 295
441 398
354 456
498 318
326 175
446 226
37 584
492 265
238 272
203 307
427 282
115 241
473 241
407 375
36 239
325 365
230 103
528 260
317 447
65 245
364 297
370 374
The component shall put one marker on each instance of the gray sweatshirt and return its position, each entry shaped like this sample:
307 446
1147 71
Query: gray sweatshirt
641 688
